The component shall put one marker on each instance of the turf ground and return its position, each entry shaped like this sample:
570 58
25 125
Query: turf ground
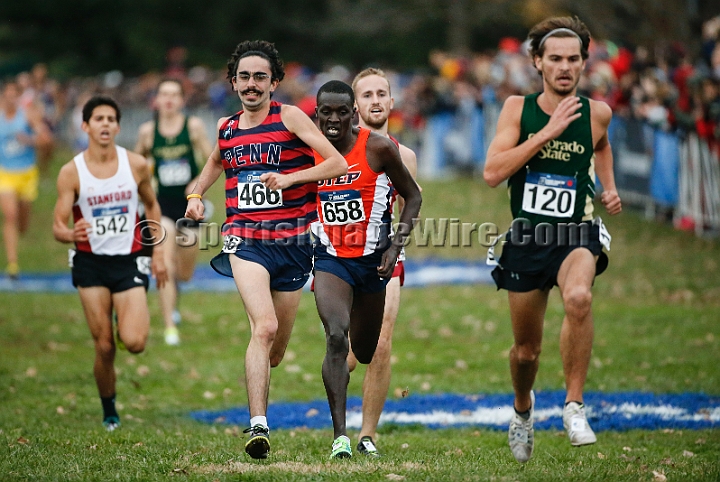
657 313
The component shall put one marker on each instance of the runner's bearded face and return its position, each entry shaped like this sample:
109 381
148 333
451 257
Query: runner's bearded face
335 114
372 97
253 82
561 64
102 126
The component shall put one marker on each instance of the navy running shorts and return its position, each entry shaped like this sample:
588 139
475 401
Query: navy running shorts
360 273
289 263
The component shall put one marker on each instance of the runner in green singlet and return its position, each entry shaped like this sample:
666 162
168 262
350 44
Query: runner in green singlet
173 144
549 147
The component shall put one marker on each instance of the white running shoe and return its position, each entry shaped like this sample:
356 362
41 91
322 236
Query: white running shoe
577 426
172 336
521 434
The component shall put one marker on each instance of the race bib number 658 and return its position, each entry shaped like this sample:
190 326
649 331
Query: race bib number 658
252 193
549 194
341 207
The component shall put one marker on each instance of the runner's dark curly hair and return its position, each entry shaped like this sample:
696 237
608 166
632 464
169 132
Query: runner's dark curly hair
259 48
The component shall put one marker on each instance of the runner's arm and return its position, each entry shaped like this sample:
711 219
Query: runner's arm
410 160
604 159
68 185
385 151
143 177
209 174
144 141
334 164
198 137
42 136
200 144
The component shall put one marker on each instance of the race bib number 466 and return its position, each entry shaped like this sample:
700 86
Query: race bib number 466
252 194
111 221
549 194
341 207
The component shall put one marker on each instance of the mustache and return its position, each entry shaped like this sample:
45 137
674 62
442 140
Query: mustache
247 91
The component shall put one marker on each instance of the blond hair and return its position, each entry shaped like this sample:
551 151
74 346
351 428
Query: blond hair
367 73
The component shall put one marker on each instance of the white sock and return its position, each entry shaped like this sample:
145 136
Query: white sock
259 420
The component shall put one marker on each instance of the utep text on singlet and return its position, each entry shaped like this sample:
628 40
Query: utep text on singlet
254 211
15 155
110 206
355 209
175 163
558 183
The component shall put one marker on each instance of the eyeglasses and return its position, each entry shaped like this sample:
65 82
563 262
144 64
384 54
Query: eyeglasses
257 76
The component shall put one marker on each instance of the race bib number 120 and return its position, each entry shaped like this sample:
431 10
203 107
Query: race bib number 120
549 194
252 194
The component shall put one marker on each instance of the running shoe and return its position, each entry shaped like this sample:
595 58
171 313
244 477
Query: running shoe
521 434
367 447
172 336
341 448
577 426
111 423
13 271
258 447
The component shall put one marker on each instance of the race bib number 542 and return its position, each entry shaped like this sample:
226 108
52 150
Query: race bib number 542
549 194
252 193
111 221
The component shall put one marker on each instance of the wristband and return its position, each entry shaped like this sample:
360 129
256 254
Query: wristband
193 196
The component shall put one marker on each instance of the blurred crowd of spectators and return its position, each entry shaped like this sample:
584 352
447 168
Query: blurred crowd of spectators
446 110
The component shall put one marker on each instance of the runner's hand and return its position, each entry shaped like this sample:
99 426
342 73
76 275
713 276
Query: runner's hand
389 259
564 114
611 201
275 181
81 230
158 267
195 209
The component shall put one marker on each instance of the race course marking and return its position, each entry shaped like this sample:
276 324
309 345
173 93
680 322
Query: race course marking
605 411
417 273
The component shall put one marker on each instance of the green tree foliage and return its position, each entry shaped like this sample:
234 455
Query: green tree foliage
88 36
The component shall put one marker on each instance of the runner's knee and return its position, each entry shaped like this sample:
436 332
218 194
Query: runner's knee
105 349
183 274
527 353
134 343
577 302
337 343
11 217
276 358
383 351
265 332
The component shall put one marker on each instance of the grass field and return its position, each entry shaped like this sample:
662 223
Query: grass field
657 312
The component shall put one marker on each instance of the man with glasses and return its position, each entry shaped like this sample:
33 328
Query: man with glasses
266 152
